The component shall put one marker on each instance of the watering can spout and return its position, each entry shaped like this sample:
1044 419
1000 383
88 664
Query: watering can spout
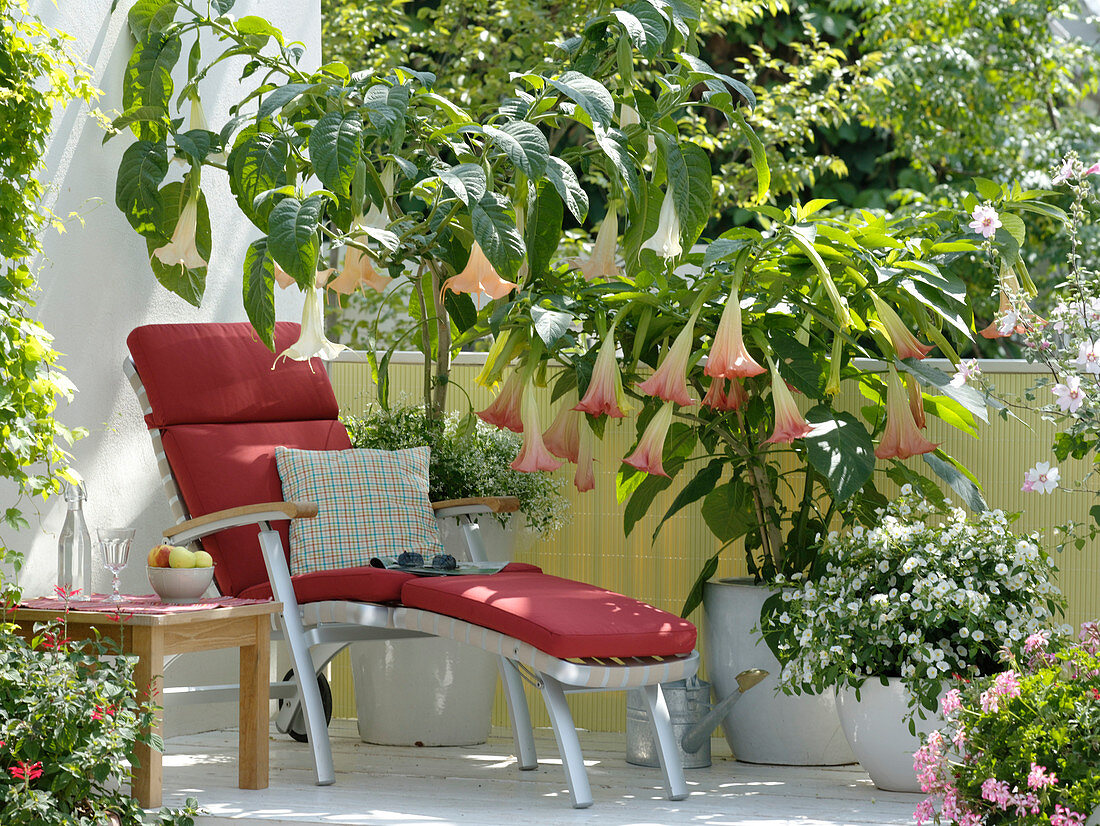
699 733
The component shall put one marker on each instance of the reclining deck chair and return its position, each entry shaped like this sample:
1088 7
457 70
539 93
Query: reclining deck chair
216 410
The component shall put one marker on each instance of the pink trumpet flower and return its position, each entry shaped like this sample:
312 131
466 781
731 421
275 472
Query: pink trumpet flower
479 277
605 388
563 436
505 409
901 438
602 263
905 343
650 450
789 423
728 356
533 455
669 380
721 399
585 477
916 402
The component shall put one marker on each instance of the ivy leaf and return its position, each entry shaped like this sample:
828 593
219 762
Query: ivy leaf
259 291
335 148
144 165
565 181
495 230
293 239
841 450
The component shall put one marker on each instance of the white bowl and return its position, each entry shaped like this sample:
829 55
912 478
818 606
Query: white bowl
180 585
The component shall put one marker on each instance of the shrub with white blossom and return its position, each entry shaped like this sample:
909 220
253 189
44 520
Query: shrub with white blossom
913 598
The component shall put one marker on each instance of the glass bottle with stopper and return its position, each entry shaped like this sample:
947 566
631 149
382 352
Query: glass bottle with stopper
74 547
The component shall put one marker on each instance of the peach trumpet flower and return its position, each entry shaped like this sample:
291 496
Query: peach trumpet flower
905 343
721 399
666 240
505 408
789 423
669 380
602 263
312 341
585 477
533 455
650 450
605 389
182 249
729 358
916 402
563 436
358 268
479 277
901 438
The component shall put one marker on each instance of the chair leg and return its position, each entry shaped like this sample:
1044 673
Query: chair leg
321 655
569 746
668 754
520 714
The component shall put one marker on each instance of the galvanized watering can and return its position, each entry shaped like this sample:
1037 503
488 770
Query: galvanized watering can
693 719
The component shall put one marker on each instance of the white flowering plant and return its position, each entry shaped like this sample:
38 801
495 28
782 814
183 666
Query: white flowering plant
914 598
1030 735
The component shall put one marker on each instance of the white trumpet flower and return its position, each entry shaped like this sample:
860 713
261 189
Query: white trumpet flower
182 249
666 240
312 341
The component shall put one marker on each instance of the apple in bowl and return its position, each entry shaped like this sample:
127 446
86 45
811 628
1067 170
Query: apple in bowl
178 574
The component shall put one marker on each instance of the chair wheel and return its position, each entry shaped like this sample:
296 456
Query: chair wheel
297 730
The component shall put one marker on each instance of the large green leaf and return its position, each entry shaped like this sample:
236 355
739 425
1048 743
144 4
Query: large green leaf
466 181
564 179
728 510
590 95
702 67
148 82
695 595
759 156
334 148
641 499
949 470
699 486
679 182
550 325
148 18
293 239
645 26
280 97
841 450
523 144
543 230
257 164
965 395
188 284
700 194
143 167
614 144
260 29
495 230
259 291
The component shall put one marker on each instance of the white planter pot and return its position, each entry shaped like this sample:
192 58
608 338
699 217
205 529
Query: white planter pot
876 728
430 692
764 726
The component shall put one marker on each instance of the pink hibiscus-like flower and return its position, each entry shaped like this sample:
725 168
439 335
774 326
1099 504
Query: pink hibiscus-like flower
1088 357
1069 395
648 455
1066 172
1041 479
966 371
985 221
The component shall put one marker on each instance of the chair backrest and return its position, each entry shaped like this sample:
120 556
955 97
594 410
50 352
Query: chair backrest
217 407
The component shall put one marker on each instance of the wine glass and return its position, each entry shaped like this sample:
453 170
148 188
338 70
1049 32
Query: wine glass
115 543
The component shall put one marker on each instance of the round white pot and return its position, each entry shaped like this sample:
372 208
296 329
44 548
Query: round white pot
878 732
430 692
764 726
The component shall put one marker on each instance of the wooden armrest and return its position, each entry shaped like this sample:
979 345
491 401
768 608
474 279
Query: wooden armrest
479 504
210 523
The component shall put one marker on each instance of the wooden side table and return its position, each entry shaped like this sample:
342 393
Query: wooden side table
153 636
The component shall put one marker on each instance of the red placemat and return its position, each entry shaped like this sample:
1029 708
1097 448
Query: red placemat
143 604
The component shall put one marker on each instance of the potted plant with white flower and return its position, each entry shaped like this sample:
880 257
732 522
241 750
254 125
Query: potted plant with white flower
896 610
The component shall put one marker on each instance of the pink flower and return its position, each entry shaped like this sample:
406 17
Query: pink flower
650 450
605 389
1065 172
563 436
905 343
1039 777
789 423
1064 816
951 702
1005 685
916 401
505 409
585 477
996 792
669 380
1069 396
1092 170
1036 641
1041 479
1088 357
985 220
479 277
602 263
967 370
901 437
533 455
721 399
729 358
1006 322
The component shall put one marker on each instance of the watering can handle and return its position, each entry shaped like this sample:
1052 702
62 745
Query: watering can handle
697 735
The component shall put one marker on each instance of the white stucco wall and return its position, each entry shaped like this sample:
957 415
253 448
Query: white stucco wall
96 285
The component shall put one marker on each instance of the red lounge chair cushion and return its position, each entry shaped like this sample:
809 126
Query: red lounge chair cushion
221 466
203 373
564 618
361 584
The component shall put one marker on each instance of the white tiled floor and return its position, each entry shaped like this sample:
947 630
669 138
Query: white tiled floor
407 786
